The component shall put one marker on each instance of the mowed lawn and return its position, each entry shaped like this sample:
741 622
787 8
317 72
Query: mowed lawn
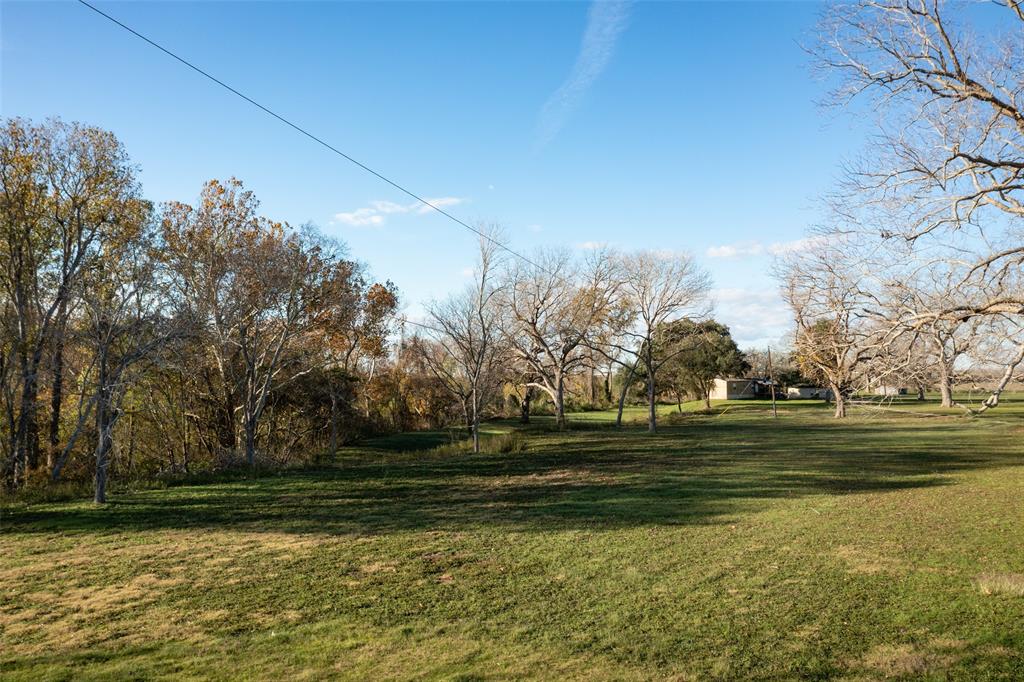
727 546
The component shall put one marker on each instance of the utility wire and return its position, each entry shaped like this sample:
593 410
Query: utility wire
313 137
405 320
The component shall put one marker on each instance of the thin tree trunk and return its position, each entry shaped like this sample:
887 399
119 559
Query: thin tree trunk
227 435
56 393
652 417
591 392
32 436
103 416
369 379
334 425
622 394
131 441
184 428
476 422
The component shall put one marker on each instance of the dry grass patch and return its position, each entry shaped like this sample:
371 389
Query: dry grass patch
1001 583
903 661
860 560
68 620
140 589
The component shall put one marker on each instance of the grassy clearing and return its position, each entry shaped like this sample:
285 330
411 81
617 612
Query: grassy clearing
726 546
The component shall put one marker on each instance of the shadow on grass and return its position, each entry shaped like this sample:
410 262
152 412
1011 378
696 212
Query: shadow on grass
708 471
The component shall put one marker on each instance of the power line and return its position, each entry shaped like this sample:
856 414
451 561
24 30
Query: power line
313 137
406 320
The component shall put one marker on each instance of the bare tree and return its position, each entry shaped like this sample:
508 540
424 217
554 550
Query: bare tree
552 306
466 330
945 174
656 288
833 341
614 341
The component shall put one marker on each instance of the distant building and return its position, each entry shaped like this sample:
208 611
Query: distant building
737 389
890 390
808 393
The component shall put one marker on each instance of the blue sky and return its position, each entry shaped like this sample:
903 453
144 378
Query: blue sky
677 126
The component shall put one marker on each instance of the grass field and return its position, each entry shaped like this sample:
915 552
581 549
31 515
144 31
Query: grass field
727 546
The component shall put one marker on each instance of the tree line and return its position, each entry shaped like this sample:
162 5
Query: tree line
151 340
158 340
180 334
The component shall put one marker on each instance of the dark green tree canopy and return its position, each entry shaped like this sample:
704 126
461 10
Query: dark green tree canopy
695 353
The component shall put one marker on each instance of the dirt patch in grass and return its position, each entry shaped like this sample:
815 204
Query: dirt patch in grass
1001 583
863 561
903 660
552 479
379 567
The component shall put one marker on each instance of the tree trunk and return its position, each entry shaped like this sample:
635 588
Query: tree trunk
945 386
26 433
184 429
652 416
226 432
591 392
131 442
840 401
56 391
250 441
56 395
560 402
476 421
102 462
920 391
32 436
622 395
103 430
524 406
334 425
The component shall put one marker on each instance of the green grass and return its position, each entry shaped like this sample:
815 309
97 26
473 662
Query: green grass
726 546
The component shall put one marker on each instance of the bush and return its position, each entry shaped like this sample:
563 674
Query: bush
505 443
502 443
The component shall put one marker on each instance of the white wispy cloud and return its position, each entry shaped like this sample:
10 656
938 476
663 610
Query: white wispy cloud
805 244
736 250
753 248
755 317
376 213
606 20
591 246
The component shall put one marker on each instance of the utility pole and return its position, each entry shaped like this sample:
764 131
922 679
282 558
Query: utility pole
771 379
